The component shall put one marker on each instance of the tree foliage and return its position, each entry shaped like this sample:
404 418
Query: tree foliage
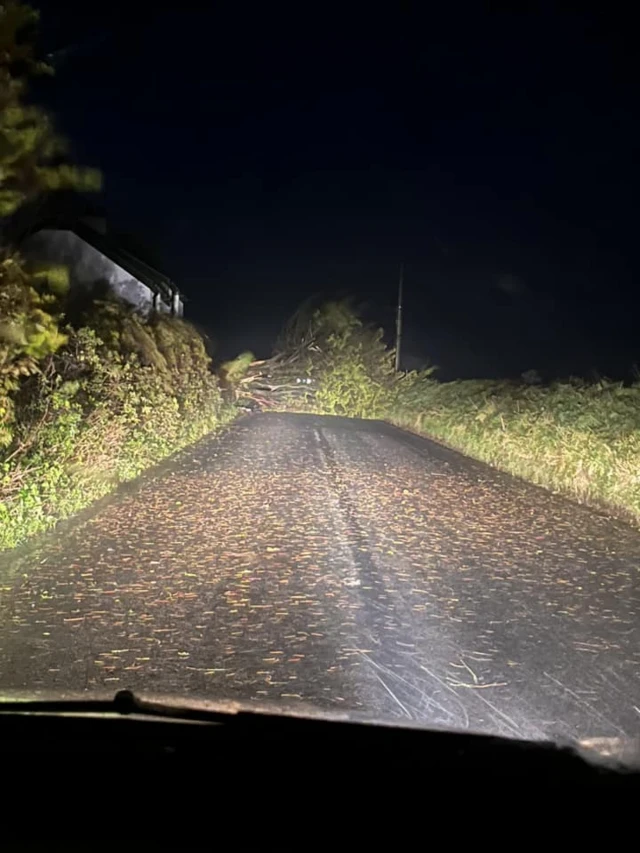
31 163
31 152
350 365
29 331
237 368
327 360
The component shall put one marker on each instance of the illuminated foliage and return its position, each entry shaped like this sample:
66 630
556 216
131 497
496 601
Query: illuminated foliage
353 371
327 361
30 164
29 332
233 371
98 412
579 438
30 150
82 407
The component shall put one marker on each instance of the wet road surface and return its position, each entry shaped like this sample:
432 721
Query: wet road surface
344 565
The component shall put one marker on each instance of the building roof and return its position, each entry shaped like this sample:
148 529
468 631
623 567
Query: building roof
156 281
139 269
69 214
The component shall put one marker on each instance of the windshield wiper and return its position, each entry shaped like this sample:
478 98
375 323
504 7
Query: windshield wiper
605 753
125 702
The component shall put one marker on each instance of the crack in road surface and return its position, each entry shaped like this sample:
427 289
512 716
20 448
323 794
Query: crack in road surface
342 565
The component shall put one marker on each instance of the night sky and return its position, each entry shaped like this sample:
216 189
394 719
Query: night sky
267 157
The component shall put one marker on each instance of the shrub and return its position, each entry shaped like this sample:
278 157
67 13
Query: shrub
354 375
98 412
347 361
29 331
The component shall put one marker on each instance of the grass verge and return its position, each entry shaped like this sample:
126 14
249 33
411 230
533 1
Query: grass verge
580 439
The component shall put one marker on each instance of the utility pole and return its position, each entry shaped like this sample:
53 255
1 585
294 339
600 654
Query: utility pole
399 318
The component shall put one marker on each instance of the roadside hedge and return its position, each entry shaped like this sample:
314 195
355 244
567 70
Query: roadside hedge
120 395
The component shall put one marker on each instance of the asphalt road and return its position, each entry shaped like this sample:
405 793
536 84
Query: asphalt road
342 565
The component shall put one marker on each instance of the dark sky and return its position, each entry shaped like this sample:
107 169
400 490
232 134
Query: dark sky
267 157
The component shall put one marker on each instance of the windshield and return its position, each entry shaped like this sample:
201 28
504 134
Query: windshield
316 366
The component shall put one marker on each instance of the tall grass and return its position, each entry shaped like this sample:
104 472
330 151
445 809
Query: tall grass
572 437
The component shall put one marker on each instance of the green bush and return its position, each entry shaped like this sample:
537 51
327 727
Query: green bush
350 367
355 374
98 412
29 331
